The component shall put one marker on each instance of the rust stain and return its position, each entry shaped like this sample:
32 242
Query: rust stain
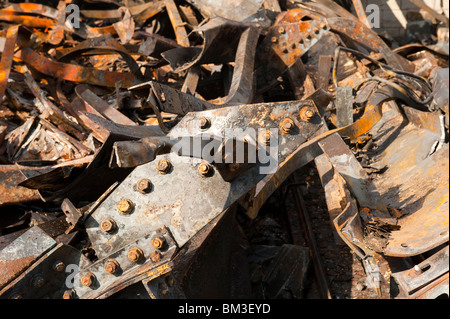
10 269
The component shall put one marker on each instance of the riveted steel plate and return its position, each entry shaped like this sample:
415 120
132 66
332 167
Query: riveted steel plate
128 272
183 200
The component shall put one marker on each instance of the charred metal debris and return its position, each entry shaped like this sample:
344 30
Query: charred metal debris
116 176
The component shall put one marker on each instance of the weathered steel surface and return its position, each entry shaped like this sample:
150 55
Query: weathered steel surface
21 253
10 192
435 268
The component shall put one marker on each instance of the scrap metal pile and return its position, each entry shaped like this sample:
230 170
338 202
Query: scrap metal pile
116 162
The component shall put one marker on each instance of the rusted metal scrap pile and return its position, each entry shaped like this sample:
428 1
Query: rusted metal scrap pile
114 162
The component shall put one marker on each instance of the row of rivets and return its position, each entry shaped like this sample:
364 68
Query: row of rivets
135 255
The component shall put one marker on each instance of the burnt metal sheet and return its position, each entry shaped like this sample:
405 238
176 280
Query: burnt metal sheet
21 253
355 176
360 33
171 100
214 33
76 73
10 191
292 35
7 58
422 194
49 277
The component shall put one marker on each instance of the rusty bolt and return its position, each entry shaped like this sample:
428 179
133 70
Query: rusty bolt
155 256
125 206
158 242
38 282
59 266
204 169
265 137
88 279
163 166
287 125
111 266
274 39
281 30
135 254
108 225
68 294
307 113
204 123
144 186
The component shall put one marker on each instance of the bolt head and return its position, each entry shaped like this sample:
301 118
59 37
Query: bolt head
135 254
163 166
281 30
287 125
59 266
144 186
38 282
204 168
265 137
274 39
307 113
111 266
155 256
88 279
125 206
108 225
204 123
158 242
